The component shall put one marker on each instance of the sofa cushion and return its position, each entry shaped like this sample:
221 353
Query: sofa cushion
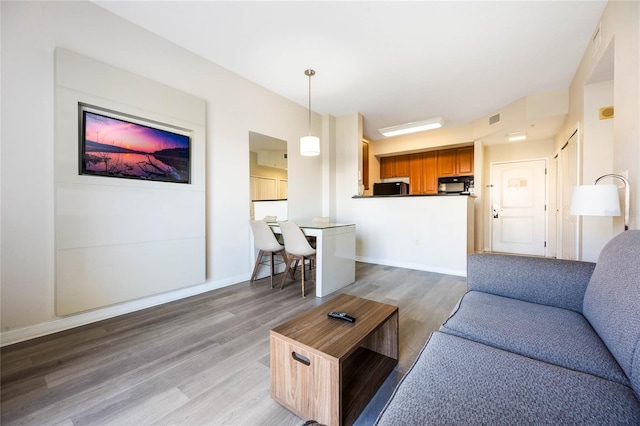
612 301
553 282
458 381
555 335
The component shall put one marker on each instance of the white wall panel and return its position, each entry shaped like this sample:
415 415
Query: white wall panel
122 239
98 215
89 277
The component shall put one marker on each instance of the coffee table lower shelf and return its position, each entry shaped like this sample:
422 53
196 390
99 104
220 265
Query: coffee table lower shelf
361 380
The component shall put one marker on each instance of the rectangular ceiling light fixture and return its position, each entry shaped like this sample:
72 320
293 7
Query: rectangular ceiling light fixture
517 136
418 126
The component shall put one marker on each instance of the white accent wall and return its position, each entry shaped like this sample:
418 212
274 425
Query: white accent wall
30 34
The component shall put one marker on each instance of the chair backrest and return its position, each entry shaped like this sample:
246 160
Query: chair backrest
612 300
263 236
270 218
295 241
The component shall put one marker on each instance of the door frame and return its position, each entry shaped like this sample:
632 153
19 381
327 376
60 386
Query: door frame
546 198
561 181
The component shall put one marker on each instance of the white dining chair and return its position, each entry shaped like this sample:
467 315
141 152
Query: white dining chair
268 245
297 248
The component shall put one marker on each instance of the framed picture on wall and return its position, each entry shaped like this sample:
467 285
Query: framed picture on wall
117 145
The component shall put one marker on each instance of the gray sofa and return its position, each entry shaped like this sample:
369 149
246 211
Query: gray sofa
533 341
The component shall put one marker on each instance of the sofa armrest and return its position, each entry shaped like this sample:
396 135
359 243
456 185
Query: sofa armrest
552 282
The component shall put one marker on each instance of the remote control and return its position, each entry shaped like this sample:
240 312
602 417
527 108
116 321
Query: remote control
342 316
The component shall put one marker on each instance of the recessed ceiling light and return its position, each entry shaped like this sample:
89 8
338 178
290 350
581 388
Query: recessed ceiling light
418 126
517 136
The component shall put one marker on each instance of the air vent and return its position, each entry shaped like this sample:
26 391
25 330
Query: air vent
494 119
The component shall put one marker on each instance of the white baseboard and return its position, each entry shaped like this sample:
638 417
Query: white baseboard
64 323
416 266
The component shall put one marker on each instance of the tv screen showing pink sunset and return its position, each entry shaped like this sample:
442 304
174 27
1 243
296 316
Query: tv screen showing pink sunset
119 148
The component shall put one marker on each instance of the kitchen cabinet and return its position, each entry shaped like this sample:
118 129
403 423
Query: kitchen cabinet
396 166
455 162
387 167
430 174
446 162
423 173
402 165
365 165
465 161
424 168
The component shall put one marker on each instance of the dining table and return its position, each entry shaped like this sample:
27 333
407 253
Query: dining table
335 243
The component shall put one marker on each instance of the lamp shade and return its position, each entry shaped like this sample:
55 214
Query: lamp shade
309 146
595 200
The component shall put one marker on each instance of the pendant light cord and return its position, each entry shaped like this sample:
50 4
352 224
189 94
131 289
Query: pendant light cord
309 73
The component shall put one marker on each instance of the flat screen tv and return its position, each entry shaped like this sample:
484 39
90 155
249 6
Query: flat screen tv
121 146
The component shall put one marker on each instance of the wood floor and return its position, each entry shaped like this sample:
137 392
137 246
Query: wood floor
202 360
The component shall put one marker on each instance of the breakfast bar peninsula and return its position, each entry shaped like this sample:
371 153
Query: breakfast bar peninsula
425 232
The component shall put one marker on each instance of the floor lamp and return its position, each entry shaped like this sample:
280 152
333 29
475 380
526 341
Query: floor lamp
600 200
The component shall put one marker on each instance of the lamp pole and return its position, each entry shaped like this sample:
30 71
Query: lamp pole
627 192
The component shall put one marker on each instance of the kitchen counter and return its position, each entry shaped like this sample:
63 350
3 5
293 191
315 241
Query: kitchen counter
425 232
414 195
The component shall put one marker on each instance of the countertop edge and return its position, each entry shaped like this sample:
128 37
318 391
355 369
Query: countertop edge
413 195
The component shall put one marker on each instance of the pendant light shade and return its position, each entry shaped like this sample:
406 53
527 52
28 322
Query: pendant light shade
309 145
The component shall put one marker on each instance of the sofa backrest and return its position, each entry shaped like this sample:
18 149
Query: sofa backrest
612 302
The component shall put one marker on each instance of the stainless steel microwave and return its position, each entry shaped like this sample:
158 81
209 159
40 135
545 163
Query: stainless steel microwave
391 188
455 185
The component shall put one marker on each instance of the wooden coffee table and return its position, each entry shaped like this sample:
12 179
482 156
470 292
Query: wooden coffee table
327 369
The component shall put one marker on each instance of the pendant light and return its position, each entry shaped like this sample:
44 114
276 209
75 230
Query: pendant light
309 145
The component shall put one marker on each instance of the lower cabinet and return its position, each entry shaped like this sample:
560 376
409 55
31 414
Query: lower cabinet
423 173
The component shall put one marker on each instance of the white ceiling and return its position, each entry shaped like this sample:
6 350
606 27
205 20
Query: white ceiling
395 62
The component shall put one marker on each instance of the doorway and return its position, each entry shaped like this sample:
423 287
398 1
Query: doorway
518 207
268 174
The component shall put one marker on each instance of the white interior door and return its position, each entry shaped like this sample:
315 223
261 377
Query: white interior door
519 207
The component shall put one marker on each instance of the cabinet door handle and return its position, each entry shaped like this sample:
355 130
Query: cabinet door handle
300 358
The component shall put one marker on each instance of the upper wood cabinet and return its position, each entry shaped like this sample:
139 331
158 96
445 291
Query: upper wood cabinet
424 168
465 160
396 166
446 162
455 162
430 162
387 167
422 177
402 165
415 174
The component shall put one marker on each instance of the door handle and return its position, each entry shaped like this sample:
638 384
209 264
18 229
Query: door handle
496 210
